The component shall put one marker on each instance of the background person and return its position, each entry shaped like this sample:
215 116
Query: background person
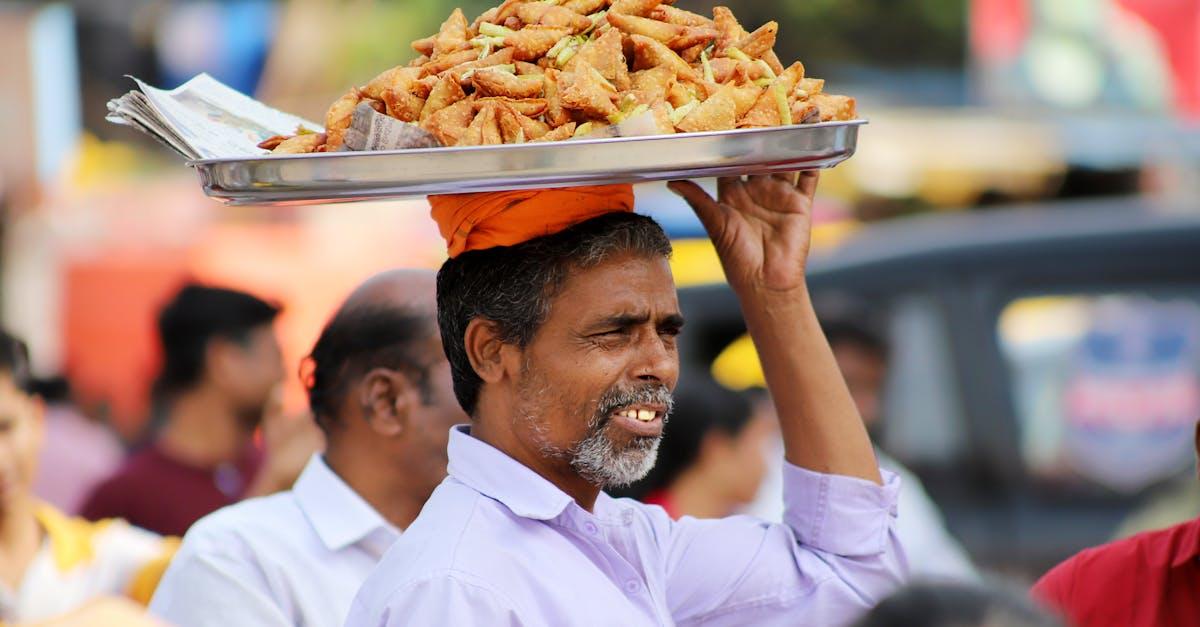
945 604
380 389
219 383
52 567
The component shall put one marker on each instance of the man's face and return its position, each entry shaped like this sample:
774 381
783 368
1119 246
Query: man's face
433 419
20 442
596 381
864 371
253 373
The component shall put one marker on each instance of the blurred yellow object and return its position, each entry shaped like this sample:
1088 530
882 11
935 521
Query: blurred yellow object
737 367
96 161
695 262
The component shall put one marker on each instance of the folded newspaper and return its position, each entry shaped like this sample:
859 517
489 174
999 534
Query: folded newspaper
206 119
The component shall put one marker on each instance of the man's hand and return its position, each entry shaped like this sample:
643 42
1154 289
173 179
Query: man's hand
760 226
288 443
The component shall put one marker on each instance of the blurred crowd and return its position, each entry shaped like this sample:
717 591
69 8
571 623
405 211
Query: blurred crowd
265 501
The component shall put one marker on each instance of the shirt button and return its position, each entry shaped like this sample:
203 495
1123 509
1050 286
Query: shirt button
591 528
632 586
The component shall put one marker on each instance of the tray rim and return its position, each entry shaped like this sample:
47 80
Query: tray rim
443 150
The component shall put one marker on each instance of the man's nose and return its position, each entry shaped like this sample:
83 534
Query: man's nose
657 360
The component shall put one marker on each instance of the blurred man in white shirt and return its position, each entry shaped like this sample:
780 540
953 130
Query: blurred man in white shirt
379 386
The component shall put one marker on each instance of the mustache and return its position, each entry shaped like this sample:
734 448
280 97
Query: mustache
615 398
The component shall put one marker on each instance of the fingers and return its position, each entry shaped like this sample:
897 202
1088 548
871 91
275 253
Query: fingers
707 209
731 190
808 182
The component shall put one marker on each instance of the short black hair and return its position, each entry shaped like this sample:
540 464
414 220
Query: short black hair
195 316
361 338
14 361
512 286
702 406
956 605
856 333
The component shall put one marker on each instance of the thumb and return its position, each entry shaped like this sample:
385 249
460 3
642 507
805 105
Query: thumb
710 212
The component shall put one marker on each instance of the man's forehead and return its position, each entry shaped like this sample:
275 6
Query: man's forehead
632 285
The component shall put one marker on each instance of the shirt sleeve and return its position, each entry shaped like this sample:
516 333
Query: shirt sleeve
1053 589
450 598
835 555
211 589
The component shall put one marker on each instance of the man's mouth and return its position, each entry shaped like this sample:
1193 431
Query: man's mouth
640 420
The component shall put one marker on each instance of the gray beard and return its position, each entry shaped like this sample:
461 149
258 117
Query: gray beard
598 461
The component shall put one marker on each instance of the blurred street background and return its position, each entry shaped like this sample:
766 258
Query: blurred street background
1019 230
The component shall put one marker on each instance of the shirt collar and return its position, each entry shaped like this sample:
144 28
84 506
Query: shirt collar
338 514
487 470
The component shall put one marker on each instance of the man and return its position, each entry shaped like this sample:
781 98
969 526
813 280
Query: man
862 356
562 349
219 382
380 389
53 567
1149 579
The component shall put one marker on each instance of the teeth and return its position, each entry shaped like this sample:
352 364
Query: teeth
645 415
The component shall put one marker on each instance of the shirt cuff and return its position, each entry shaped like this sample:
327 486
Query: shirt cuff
837 514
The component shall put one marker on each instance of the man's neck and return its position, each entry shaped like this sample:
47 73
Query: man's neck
392 491
203 430
20 537
553 469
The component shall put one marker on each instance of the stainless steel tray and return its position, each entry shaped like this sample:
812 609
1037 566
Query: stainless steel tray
348 176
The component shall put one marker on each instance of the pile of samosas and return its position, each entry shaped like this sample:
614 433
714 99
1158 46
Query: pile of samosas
548 70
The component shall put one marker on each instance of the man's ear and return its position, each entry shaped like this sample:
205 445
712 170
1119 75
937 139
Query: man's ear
485 349
388 398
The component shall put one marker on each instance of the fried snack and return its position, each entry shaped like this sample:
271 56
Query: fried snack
556 115
673 15
492 82
585 7
272 142
337 119
653 85
531 107
532 128
484 129
805 112
532 42
584 90
717 113
809 87
445 93
649 53
449 124
447 61
761 41
546 14
399 78
452 36
674 36
299 144
566 131
834 107
605 54
547 70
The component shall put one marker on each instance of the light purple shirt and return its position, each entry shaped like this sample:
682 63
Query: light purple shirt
497 544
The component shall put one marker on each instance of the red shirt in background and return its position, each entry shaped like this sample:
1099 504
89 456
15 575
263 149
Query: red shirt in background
1149 579
155 492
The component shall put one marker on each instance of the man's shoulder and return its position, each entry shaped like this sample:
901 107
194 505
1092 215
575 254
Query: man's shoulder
266 519
1117 566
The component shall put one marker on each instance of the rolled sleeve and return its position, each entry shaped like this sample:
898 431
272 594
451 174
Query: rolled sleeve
838 514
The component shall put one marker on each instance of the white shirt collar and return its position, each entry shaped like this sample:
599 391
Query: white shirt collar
338 514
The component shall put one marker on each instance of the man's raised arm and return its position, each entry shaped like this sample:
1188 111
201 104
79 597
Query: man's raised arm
761 228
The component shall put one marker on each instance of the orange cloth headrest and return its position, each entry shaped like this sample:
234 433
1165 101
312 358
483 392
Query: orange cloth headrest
488 219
